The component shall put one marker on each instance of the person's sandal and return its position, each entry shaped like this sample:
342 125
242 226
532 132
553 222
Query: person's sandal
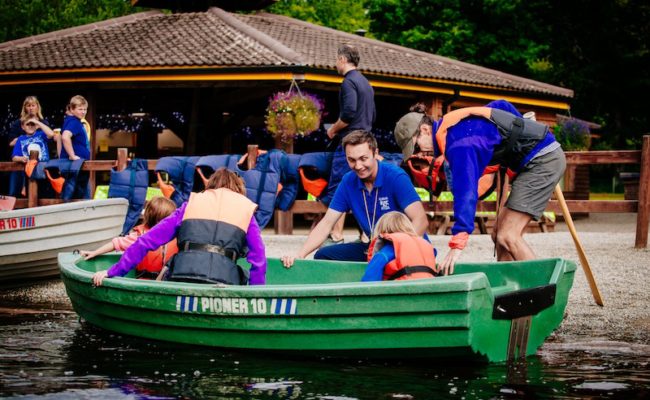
329 241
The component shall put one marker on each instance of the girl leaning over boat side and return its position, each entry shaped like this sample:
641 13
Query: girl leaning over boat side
156 210
213 229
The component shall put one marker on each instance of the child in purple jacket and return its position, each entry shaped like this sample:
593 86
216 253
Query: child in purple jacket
213 229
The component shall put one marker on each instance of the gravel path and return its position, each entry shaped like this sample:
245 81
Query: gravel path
620 271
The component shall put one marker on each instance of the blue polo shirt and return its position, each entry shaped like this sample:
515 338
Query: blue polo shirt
392 191
79 138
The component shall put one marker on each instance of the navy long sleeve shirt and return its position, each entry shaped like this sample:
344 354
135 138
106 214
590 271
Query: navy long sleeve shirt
357 102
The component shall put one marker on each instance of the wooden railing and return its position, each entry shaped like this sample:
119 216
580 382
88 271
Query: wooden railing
284 219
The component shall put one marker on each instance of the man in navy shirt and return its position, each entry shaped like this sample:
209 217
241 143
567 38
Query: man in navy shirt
370 190
357 111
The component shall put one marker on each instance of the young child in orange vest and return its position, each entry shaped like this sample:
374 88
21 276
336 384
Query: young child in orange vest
156 210
397 252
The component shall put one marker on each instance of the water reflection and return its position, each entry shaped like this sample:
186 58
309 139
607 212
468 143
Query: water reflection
54 356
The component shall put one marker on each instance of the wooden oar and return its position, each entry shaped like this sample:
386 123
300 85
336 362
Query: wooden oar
581 252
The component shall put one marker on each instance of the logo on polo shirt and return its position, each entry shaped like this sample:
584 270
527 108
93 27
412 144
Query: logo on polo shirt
384 204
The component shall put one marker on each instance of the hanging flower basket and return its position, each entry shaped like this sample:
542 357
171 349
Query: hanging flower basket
293 113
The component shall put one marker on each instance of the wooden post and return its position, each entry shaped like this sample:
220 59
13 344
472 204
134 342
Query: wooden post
643 213
92 140
192 132
122 158
283 220
32 184
251 160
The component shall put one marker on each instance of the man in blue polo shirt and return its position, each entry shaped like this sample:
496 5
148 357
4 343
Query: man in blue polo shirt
370 190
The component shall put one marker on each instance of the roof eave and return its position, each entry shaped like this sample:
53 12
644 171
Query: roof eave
274 73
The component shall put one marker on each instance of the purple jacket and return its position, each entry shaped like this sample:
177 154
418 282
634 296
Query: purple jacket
166 230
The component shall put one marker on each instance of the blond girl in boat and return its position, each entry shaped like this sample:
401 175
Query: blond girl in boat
397 252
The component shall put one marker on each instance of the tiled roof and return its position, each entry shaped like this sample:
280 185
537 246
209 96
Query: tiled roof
148 39
221 39
318 46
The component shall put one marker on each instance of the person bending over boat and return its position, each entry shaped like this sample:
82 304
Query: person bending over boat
477 142
397 252
213 229
370 190
156 210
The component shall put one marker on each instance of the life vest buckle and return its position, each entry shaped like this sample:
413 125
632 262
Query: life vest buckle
210 248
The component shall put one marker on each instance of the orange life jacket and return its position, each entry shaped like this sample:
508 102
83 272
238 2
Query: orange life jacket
425 172
313 186
414 258
154 260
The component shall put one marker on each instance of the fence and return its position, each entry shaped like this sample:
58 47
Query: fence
284 219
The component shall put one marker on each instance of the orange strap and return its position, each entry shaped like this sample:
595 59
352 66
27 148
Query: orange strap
29 167
312 186
203 178
166 189
459 240
57 184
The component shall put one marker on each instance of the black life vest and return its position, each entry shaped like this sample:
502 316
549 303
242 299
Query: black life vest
212 237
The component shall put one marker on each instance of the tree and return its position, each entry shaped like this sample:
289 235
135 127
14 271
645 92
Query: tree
343 15
482 32
598 49
21 18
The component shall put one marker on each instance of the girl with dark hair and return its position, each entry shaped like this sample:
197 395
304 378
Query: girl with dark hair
213 229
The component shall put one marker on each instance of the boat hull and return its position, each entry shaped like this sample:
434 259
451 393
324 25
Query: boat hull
31 238
294 313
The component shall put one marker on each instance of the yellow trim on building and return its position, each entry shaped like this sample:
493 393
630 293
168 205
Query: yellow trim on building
427 86
515 99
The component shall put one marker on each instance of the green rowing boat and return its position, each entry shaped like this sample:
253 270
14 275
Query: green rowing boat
489 311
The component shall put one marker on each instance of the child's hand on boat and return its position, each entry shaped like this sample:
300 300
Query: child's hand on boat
288 261
446 267
87 255
98 277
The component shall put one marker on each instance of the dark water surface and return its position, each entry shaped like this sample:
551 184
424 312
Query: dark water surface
54 356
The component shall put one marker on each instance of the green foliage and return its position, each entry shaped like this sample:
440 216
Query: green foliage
343 15
21 18
573 135
488 33
598 49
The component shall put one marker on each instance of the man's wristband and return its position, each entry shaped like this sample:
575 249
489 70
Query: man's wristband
459 240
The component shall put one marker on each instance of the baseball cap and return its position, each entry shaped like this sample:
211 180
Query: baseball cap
405 130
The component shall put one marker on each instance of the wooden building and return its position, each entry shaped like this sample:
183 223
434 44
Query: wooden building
206 72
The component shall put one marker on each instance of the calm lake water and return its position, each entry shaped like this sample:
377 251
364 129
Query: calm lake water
54 356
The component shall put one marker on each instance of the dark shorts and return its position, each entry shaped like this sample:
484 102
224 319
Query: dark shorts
534 185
